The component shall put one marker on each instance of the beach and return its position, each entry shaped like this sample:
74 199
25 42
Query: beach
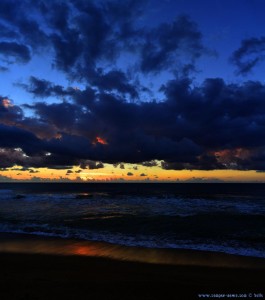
131 241
28 273
25 276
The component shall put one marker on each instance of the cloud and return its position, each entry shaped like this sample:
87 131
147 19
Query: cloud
7 32
151 163
13 137
175 131
204 180
94 32
3 69
164 43
43 88
61 115
20 53
143 174
83 35
250 54
91 165
129 174
6 179
114 80
104 49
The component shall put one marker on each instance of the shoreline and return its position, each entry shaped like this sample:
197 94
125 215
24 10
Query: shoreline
47 268
45 245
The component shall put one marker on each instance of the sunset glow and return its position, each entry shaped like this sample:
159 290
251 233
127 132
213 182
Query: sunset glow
129 173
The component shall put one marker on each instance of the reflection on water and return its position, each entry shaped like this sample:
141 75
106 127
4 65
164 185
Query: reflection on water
35 245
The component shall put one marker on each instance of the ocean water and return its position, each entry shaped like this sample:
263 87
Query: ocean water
227 218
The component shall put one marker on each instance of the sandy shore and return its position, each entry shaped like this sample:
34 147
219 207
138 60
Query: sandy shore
25 276
34 275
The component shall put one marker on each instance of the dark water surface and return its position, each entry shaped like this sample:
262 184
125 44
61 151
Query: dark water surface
226 218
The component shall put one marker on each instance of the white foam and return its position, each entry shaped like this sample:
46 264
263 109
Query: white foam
162 242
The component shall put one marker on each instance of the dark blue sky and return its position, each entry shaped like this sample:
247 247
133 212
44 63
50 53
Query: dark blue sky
180 82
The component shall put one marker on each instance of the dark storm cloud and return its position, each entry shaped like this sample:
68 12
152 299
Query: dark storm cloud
84 97
114 80
175 131
92 165
7 9
15 52
214 125
81 34
226 107
204 162
21 34
9 114
81 39
250 53
62 115
111 81
32 33
130 134
219 116
163 43
7 32
151 163
13 137
58 16
44 88
10 157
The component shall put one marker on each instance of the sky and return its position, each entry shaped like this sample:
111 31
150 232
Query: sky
133 90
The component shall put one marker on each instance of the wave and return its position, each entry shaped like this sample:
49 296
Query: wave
225 223
78 203
162 242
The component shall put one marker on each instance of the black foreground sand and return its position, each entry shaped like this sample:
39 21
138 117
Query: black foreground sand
48 276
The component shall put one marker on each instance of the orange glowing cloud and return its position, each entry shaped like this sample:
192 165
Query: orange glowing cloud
229 157
229 153
7 103
100 140
58 136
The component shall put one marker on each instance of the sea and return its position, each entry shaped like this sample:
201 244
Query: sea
219 217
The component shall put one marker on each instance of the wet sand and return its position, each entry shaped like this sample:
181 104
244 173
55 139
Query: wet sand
86 275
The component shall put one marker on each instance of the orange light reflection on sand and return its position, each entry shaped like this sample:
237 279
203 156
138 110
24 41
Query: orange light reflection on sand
85 250
36 245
